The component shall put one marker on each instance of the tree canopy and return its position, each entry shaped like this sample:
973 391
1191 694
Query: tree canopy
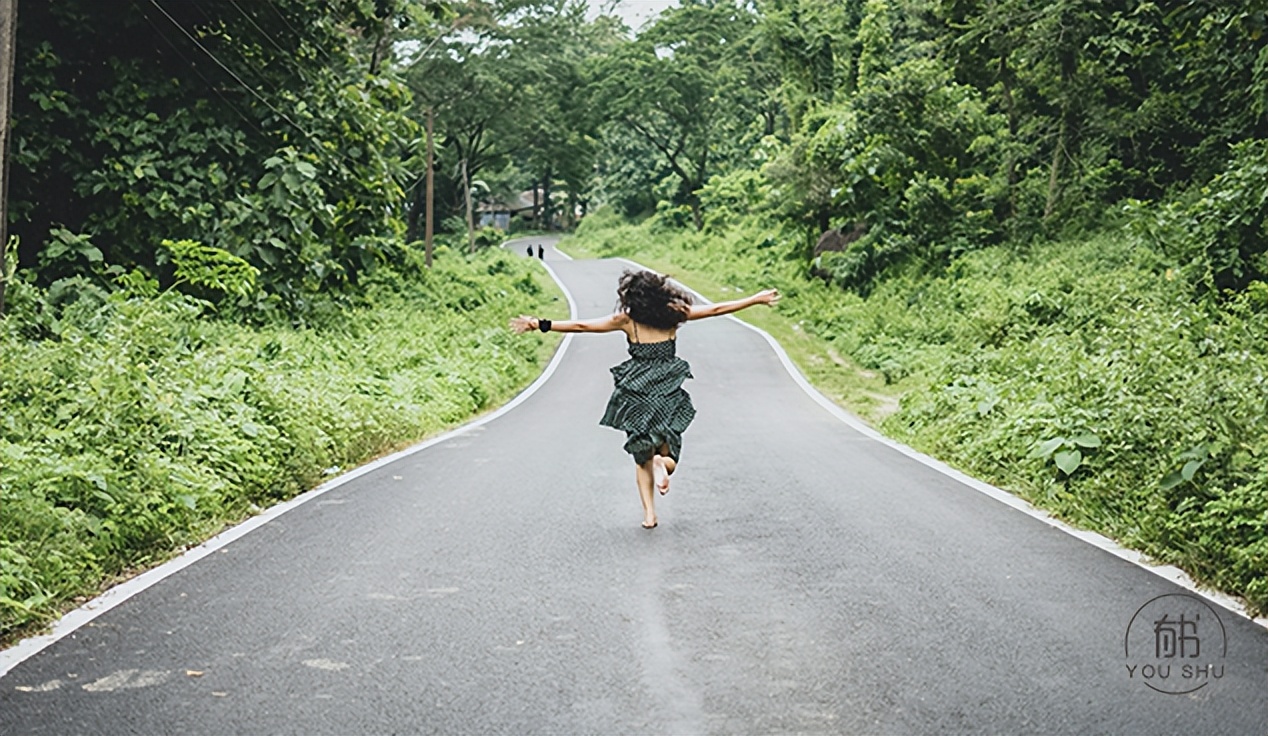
289 133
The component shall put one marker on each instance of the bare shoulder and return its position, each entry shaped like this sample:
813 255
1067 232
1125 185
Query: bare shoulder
610 323
622 322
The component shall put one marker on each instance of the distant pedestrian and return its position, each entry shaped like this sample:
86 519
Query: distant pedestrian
648 402
541 252
530 250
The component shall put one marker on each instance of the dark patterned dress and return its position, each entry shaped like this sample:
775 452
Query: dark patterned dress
649 403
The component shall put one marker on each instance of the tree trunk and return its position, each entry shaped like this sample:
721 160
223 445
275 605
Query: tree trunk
8 26
1054 170
430 226
380 46
1069 62
1010 159
466 191
537 207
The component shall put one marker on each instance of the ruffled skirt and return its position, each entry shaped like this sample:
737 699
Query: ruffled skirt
649 404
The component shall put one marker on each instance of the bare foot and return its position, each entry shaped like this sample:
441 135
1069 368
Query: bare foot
660 475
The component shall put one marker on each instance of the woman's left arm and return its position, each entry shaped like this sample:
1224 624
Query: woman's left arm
611 323
700 311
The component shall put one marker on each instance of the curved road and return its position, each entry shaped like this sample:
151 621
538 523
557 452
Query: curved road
804 578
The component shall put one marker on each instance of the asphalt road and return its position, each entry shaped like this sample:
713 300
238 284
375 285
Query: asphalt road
804 578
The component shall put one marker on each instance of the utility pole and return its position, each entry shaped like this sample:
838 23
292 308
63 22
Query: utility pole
8 44
466 187
431 189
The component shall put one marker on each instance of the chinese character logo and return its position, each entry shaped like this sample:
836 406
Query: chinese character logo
1175 644
1167 634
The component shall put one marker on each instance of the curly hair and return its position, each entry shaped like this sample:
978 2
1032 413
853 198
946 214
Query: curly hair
651 299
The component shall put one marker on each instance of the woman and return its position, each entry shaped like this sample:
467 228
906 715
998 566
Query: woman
649 403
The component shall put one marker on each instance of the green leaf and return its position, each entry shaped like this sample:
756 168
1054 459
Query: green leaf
268 255
1170 480
1197 452
1046 448
1087 440
1190 469
1068 460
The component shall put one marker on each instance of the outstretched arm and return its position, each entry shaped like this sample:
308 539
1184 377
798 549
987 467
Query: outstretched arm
700 311
611 323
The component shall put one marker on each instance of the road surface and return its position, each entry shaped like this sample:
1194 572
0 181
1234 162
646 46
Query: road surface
804 578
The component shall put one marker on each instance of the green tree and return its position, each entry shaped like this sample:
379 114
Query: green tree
136 122
814 47
682 87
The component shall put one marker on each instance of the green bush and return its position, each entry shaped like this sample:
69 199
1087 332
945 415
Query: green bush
1218 233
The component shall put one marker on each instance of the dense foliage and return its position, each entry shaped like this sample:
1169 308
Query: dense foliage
256 128
289 132
923 129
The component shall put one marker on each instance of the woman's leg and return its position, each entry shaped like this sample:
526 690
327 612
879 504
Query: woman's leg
643 475
662 467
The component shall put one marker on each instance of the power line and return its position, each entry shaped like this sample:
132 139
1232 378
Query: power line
249 88
196 70
298 35
257 27
341 159
211 24
231 73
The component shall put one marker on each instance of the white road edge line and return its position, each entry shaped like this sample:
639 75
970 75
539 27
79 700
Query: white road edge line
74 620
1167 572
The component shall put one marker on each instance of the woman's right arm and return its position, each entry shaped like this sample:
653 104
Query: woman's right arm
700 311
611 323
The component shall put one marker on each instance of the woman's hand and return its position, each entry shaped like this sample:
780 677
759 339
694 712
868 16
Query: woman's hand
523 323
768 297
